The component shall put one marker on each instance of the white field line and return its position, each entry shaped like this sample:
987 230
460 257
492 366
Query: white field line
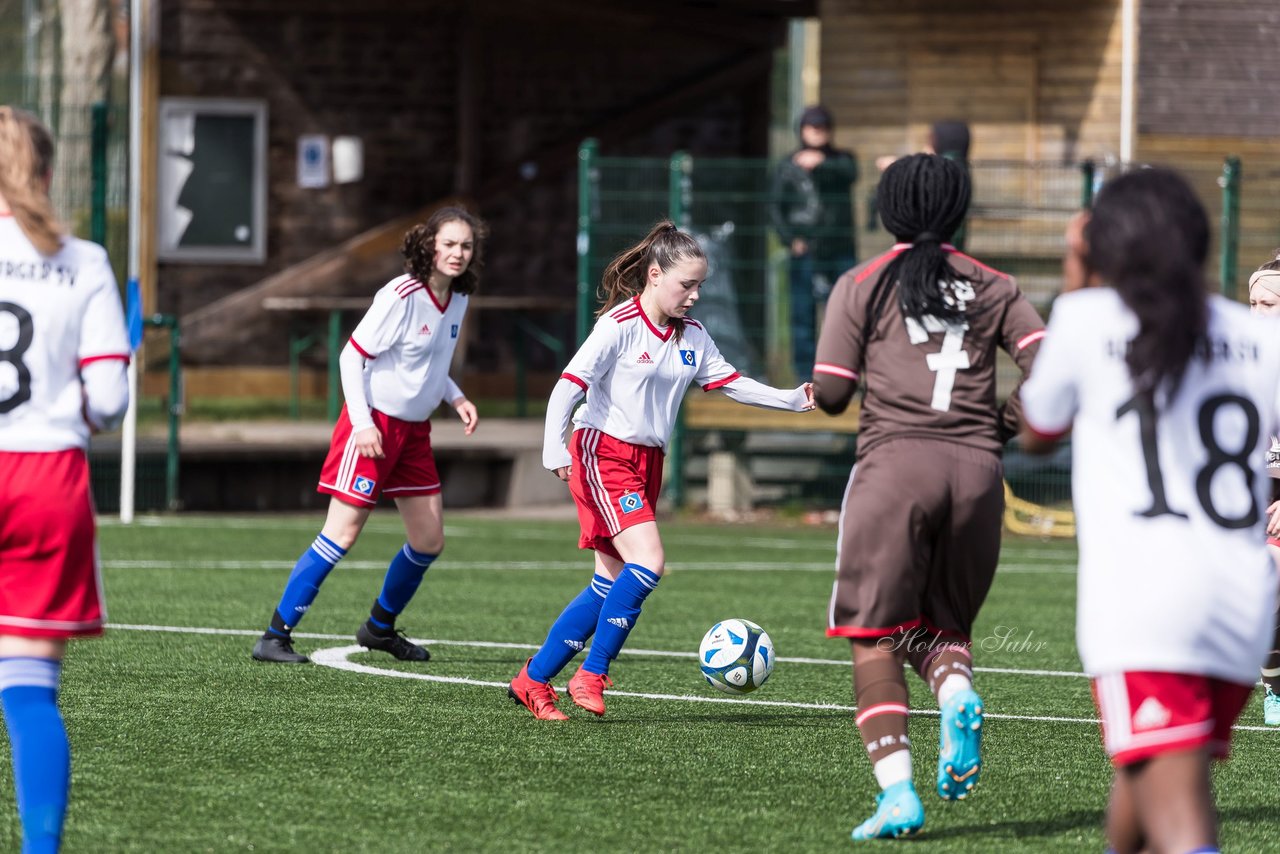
539 565
338 658
815 541
650 653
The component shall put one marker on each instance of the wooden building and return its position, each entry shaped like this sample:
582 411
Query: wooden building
480 100
1042 83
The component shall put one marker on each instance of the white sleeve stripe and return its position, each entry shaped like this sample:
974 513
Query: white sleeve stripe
1030 339
834 370
28 673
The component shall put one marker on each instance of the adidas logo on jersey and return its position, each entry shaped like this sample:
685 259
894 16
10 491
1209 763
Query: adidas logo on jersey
1150 715
425 330
620 622
644 359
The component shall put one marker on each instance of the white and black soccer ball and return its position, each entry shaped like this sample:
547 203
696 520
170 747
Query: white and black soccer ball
736 656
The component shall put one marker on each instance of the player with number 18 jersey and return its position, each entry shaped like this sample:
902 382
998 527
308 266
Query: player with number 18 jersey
1169 498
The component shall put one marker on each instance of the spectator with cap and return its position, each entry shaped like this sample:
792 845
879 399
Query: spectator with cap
811 208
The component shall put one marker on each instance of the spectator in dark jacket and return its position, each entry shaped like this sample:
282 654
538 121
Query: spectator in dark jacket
812 210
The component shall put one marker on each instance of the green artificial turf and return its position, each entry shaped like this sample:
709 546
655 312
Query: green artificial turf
182 743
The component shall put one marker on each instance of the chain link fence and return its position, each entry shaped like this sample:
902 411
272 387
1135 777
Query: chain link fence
1017 219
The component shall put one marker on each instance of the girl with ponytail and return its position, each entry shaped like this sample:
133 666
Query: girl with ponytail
921 521
1170 393
65 354
634 369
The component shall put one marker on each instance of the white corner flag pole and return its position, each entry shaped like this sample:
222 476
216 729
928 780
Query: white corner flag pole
129 434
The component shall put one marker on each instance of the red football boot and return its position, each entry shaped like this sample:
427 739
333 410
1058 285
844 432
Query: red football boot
587 690
538 697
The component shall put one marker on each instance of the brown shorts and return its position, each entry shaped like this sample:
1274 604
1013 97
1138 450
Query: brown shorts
919 539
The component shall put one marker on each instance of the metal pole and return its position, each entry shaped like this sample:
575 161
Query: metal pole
1229 251
679 198
586 177
335 377
1128 78
1087 172
98 175
129 430
176 405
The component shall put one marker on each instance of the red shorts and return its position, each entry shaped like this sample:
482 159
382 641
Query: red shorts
49 581
615 485
1145 714
406 468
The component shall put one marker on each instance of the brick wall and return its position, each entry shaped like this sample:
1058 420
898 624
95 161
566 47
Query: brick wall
388 72
1209 67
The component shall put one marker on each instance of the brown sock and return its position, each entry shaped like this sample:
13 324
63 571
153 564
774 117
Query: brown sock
935 659
881 694
1271 669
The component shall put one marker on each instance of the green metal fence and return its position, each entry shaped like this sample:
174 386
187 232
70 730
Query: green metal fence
1016 224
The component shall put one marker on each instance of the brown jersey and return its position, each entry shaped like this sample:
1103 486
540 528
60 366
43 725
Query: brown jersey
926 379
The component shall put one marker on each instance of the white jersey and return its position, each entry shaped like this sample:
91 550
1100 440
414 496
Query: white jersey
58 314
635 376
1169 500
408 339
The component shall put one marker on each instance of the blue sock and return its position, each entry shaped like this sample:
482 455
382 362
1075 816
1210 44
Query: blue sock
403 577
304 582
570 631
618 615
41 755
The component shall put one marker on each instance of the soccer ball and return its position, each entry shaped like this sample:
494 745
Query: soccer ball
736 656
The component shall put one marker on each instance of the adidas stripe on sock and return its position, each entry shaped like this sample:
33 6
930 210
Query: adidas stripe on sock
618 615
569 633
304 582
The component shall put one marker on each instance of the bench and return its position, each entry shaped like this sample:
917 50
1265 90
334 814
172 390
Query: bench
755 453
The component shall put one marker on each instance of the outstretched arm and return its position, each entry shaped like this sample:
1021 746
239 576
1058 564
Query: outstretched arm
748 391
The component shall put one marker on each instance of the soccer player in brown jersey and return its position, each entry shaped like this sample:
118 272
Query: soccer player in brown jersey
921 520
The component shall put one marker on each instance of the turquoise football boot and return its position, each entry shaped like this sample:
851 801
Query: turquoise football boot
898 813
960 746
1271 709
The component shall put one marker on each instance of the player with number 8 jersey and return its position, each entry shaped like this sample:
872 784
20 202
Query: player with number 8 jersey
64 354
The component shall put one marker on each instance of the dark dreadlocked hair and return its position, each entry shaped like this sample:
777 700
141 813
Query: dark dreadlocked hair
1148 237
922 200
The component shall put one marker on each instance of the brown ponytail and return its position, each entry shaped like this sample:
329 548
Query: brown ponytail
624 278
26 159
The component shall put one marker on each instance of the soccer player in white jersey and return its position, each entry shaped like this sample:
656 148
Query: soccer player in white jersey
634 369
63 356
1170 395
1264 300
395 372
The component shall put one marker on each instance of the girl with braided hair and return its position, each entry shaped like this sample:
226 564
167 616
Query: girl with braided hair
921 521
634 369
